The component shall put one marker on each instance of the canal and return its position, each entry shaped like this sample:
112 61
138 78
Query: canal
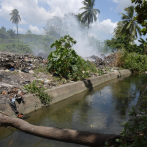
101 110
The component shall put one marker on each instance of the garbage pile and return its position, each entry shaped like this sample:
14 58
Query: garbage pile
107 61
7 93
24 62
111 60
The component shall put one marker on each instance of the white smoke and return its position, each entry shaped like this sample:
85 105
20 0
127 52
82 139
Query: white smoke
84 46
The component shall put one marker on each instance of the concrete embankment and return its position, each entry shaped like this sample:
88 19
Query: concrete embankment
62 92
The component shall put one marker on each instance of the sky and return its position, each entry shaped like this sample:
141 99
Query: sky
35 13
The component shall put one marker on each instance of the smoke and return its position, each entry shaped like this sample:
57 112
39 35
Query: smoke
86 45
69 25
57 27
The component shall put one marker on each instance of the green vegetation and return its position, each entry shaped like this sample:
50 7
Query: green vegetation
141 9
136 62
130 25
28 43
37 88
15 48
65 62
42 69
135 129
132 56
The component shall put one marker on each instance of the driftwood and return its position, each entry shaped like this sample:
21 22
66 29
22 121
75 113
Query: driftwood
65 135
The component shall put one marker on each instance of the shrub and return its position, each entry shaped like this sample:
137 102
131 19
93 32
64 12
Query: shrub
65 62
135 62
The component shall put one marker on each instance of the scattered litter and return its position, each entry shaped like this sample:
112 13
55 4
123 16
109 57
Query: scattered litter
25 70
11 69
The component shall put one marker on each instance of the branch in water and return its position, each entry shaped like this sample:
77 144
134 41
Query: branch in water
65 135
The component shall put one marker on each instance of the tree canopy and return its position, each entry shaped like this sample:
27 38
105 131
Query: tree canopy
141 9
130 25
90 14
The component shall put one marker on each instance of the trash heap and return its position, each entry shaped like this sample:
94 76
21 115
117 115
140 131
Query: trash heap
7 93
14 61
111 60
107 61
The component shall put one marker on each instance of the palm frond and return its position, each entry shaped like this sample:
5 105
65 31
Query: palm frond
130 29
85 8
130 11
97 10
134 31
129 24
94 16
124 16
138 29
123 29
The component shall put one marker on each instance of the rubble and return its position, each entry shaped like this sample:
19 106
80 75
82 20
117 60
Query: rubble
107 61
111 60
7 93
19 70
13 62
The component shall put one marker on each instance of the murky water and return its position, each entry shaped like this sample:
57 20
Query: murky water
101 110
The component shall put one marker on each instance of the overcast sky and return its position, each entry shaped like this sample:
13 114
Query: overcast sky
35 13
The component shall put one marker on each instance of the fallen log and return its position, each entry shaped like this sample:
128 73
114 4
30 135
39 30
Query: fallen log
65 135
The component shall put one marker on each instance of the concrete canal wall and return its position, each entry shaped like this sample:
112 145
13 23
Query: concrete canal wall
62 92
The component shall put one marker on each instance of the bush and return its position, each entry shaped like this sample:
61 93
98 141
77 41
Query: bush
135 62
65 62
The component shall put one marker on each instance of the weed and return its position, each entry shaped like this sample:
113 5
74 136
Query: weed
42 69
38 88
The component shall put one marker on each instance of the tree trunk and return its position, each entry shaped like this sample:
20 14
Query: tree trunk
17 32
65 135
87 29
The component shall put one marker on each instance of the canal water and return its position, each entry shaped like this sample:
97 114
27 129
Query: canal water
101 110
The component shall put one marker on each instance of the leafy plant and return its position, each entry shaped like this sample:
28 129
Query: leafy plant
135 62
65 62
134 133
37 88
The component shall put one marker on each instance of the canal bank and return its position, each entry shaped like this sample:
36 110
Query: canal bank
62 92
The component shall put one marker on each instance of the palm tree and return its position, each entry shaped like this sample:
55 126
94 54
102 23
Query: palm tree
130 24
89 14
118 29
15 18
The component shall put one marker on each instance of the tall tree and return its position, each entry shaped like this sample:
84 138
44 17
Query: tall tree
15 18
90 14
130 24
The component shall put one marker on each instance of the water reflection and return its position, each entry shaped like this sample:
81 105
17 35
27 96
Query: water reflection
125 94
99 110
